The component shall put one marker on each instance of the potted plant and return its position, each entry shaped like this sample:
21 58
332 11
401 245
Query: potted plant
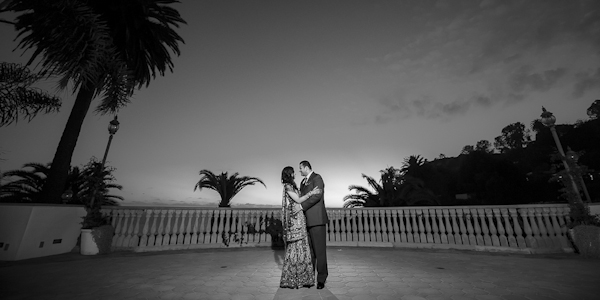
584 228
96 230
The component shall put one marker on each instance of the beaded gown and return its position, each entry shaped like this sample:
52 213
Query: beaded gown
297 268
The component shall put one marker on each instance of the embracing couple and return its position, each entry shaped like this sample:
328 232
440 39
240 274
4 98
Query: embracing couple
304 219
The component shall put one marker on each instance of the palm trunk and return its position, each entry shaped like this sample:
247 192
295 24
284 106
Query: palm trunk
57 177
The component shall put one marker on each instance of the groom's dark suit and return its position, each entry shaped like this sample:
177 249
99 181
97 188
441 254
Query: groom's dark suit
316 219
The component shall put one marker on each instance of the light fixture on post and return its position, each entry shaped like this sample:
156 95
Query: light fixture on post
113 126
548 119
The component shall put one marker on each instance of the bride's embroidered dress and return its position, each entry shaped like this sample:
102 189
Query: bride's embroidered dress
297 265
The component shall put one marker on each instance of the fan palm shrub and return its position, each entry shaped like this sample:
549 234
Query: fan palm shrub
226 185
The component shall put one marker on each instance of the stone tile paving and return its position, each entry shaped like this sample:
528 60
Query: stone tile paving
253 273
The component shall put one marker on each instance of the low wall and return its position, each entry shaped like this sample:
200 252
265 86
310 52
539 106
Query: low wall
516 228
28 231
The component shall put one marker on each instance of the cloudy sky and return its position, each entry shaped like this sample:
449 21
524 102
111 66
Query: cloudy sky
352 86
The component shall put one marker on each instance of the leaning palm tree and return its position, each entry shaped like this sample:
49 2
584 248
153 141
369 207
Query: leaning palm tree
227 187
18 98
104 48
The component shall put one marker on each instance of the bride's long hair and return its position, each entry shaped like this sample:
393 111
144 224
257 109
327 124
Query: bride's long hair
287 176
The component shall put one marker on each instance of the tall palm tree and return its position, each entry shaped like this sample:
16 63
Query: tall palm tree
104 47
18 99
226 186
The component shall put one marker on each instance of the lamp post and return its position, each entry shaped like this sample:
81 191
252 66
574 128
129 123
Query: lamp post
113 126
574 157
548 119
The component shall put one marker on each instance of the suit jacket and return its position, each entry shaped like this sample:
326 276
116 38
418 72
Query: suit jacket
314 206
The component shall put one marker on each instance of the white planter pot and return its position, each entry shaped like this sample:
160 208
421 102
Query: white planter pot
88 245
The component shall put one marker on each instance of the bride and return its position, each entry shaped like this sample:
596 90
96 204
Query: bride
297 265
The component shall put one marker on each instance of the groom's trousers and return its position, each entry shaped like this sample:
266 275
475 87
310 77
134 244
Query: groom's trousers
318 250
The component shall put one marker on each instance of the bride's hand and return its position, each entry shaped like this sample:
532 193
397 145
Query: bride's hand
316 190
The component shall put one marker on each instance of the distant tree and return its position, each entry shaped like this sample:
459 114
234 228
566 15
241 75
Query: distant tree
394 189
467 149
412 162
537 126
442 156
594 110
18 99
484 146
226 186
514 136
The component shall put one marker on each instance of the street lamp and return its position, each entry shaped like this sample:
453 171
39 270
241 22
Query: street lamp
548 119
113 126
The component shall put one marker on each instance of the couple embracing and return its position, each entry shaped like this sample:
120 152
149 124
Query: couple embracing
304 219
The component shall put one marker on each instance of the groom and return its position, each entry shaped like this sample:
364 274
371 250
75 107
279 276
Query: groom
316 219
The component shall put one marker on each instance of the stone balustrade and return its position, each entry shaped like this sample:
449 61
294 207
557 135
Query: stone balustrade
520 228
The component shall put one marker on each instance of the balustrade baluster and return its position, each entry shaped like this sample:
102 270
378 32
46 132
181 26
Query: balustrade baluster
554 237
441 219
463 228
398 231
477 218
227 226
390 226
154 216
161 228
145 229
490 235
409 229
194 216
135 235
419 216
338 224
361 230
117 224
186 218
545 237
560 227
214 227
354 225
455 227
204 231
371 227
377 216
220 230
469 220
168 232
344 229
383 214
428 230
124 234
330 229
504 235
530 238
175 236
449 217
517 227
435 235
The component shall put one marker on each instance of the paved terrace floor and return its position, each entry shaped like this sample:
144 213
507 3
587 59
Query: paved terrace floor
355 273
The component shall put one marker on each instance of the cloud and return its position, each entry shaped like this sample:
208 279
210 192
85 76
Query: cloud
586 82
523 79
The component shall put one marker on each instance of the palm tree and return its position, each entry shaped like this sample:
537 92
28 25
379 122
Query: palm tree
226 186
384 194
102 47
27 187
19 98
